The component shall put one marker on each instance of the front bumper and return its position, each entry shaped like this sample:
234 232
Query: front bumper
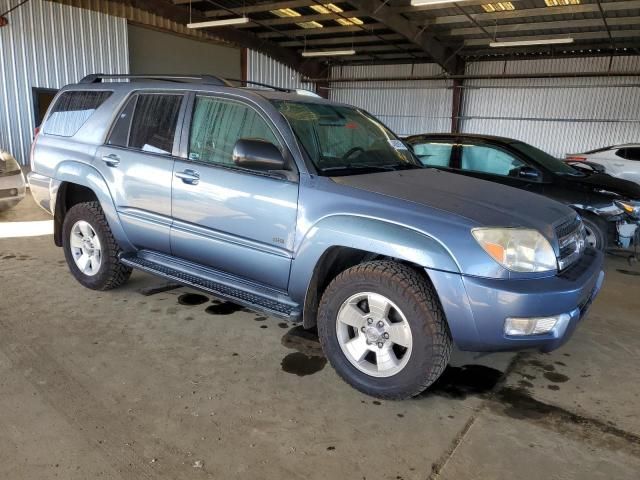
476 308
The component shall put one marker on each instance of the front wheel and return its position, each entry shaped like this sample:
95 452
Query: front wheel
383 330
90 249
596 232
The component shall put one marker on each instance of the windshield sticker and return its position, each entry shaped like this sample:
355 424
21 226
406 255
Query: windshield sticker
398 145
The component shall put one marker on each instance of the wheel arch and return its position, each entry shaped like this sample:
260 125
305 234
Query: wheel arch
337 243
77 183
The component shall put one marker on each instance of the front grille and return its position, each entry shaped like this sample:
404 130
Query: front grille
568 227
571 240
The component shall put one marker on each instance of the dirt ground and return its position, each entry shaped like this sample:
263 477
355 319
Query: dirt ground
156 381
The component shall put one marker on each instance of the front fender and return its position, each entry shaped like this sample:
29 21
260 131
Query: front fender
89 177
366 234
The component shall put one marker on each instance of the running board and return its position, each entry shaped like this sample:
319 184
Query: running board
220 284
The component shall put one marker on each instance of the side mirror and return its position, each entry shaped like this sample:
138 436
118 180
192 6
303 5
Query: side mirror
258 155
528 172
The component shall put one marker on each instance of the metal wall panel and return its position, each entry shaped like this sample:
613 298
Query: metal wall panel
559 115
264 69
407 107
49 45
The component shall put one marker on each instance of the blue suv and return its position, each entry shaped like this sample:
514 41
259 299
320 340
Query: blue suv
312 211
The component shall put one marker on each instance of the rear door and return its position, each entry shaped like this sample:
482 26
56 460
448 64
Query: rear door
232 219
137 162
625 164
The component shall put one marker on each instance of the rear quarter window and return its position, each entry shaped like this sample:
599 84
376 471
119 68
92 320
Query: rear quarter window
72 110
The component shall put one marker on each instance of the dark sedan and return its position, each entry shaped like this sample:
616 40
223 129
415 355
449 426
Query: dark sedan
609 206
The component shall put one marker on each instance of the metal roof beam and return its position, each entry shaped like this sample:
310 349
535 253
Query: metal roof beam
313 32
440 54
320 17
565 26
576 36
261 7
419 15
346 41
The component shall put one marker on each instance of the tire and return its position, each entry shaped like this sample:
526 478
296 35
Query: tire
596 232
412 302
107 271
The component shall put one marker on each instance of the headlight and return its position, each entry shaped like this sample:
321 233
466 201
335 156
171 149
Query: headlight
631 207
517 249
8 165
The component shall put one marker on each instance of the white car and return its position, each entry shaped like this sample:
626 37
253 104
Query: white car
12 184
622 161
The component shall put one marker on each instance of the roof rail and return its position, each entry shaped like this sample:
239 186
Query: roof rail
207 79
259 84
299 91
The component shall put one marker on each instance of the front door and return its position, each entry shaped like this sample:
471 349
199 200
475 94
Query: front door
493 163
137 163
235 220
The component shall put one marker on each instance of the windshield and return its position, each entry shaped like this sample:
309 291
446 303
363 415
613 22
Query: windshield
548 161
344 140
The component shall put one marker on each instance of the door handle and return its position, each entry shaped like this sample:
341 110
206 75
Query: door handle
189 176
112 160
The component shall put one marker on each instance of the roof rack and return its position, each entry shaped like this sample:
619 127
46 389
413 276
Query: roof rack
207 79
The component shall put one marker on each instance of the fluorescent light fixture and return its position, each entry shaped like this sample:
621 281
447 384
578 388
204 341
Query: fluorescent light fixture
498 7
219 23
327 53
526 43
561 3
349 21
310 25
326 8
285 12
415 3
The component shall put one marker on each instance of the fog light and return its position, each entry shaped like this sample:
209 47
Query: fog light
533 325
13 192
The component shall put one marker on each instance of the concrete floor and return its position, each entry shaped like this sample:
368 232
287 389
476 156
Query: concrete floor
132 384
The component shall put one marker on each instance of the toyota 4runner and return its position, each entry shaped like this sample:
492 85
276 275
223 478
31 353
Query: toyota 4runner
312 211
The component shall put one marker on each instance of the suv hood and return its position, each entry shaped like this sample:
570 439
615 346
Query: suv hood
485 203
606 184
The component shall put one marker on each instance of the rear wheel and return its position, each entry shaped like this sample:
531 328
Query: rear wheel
90 249
382 328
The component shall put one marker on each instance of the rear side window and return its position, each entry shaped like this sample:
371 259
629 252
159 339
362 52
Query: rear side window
154 123
433 154
72 110
485 159
631 153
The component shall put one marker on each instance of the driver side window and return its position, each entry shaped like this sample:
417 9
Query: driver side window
217 124
491 160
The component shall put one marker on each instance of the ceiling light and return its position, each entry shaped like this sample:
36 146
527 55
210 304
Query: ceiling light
309 25
498 7
415 3
326 8
561 3
285 12
219 23
349 21
526 43
327 53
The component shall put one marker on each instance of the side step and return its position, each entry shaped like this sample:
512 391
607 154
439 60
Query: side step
220 284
